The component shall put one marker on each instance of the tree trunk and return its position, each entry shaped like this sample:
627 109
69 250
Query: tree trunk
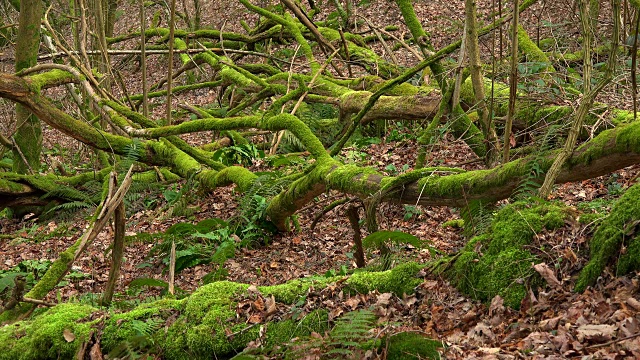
28 135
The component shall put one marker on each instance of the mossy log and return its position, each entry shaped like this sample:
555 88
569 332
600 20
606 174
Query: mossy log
609 151
201 326
618 230
531 114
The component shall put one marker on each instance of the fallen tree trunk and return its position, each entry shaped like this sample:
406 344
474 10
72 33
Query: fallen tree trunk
609 151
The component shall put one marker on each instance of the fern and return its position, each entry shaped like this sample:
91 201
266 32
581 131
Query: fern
353 328
530 183
141 344
133 151
65 210
251 225
67 193
477 217
350 335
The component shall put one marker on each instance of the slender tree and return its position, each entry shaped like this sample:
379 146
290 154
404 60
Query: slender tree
28 136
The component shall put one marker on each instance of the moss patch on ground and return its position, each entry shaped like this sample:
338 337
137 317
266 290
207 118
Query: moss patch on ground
44 337
201 326
616 231
497 263
408 345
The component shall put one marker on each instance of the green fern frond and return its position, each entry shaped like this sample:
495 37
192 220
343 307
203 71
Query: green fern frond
68 193
67 208
477 217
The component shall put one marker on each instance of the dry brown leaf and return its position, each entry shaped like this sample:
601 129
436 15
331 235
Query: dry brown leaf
258 304
635 304
383 299
548 275
96 352
596 332
68 335
352 302
550 324
255 319
271 306
497 306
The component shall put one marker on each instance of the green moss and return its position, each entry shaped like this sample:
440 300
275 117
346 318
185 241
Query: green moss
630 259
497 263
230 175
122 327
455 224
399 280
300 130
610 236
235 77
52 77
290 292
410 345
43 338
282 332
532 51
352 179
590 218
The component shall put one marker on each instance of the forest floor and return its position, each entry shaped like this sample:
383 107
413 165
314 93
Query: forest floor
553 322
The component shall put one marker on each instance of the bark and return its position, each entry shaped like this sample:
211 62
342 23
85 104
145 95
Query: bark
477 79
28 135
609 151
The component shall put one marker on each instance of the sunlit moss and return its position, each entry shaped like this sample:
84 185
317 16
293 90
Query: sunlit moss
497 263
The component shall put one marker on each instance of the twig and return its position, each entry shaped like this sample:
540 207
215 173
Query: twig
613 341
160 52
242 330
38 302
172 268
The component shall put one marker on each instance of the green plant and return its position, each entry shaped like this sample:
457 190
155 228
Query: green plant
243 154
30 270
251 224
141 344
531 182
477 216
389 243
350 338
209 241
411 211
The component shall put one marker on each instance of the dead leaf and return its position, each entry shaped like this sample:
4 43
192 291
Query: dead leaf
635 304
255 319
352 302
550 324
548 275
497 306
596 333
481 333
296 240
271 306
68 335
96 352
383 299
258 304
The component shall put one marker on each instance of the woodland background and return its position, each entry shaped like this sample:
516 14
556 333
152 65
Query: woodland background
328 179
